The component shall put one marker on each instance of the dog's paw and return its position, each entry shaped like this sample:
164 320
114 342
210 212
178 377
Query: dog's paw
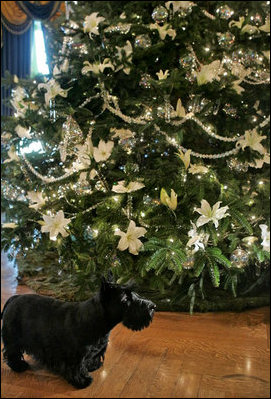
81 382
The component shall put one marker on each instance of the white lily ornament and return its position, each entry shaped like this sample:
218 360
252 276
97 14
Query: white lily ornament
53 89
180 111
12 155
55 225
253 140
91 24
10 225
177 5
17 101
23 132
162 75
164 30
209 72
171 201
258 163
199 240
266 26
265 237
123 134
37 199
132 186
211 214
198 169
185 157
130 238
96 68
103 151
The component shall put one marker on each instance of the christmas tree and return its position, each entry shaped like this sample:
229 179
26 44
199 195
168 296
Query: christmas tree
145 152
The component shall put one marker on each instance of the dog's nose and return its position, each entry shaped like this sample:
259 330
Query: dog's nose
153 306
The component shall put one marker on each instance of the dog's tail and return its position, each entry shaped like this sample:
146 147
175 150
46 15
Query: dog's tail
7 303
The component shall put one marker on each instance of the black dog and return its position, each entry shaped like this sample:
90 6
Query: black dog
69 338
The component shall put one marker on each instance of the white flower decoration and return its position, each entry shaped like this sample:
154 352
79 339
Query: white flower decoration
91 24
18 102
265 237
162 75
64 67
55 225
123 134
253 140
103 151
37 199
238 24
185 157
23 132
266 26
179 4
199 240
128 50
260 162
180 111
130 238
12 155
132 186
209 72
164 30
171 201
211 214
53 89
236 86
198 169
96 68
9 225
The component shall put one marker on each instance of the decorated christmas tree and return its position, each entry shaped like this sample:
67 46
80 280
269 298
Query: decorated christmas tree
145 152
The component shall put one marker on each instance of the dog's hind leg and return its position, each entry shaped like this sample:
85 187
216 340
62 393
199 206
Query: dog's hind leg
13 354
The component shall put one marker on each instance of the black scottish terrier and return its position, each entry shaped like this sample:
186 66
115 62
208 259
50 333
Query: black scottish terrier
70 338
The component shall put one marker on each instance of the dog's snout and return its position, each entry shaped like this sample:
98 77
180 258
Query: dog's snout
153 306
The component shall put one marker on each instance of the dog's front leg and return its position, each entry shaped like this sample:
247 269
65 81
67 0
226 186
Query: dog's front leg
78 376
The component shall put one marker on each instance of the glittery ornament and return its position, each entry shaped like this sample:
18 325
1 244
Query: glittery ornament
143 41
147 200
72 135
230 110
145 81
88 233
121 28
165 111
224 12
239 258
187 61
236 165
250 58
256 19
160 14
225 40
189 263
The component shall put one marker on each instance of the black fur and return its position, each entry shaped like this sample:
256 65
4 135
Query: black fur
69 338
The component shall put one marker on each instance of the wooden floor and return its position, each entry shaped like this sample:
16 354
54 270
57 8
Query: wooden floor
211 355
